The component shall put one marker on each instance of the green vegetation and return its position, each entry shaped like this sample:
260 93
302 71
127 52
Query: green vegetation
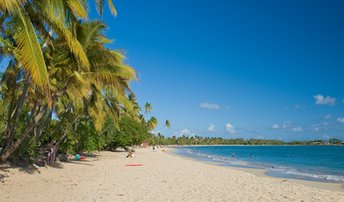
197 140
61 83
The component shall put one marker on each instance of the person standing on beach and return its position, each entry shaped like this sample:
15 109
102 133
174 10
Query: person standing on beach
153 148
49 153
53 152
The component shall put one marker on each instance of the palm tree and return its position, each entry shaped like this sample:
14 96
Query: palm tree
22 23
152 123
148 108
60 75
167 124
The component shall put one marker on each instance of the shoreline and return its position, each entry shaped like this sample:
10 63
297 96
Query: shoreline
161 176
330 186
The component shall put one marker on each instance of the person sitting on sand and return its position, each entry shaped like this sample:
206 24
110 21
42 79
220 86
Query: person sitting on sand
77 157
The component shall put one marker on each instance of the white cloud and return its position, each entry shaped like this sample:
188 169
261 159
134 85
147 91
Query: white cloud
287 124
297 129
340 119
211 128
187 132
327 116
324 100
326 136
209 106
325 123
275 126
230 128
297 106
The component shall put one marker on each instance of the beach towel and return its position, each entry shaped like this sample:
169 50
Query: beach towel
134 164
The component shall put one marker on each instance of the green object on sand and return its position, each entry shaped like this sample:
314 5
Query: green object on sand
77 157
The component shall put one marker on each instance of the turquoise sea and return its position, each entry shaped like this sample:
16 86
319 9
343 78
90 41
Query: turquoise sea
318 163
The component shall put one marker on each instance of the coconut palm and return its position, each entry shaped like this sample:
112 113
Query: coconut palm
22 24
167 124
148 108
50 70
152 123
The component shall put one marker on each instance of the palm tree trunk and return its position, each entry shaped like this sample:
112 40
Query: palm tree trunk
13 146
7 152
13 118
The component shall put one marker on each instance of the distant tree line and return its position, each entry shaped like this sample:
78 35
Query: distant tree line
198 140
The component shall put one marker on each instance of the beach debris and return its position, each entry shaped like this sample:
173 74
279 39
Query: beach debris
2 178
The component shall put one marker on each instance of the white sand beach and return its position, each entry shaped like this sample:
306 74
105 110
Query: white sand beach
162 177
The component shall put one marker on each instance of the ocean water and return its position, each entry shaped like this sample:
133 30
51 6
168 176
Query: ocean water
318 163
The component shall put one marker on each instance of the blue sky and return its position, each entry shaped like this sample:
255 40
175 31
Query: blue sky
250 69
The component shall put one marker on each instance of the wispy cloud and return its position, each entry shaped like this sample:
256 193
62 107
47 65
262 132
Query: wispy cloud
324 100
327 116
211 128
297 129
230 128
210 106
340 119
297 106
276 126
326 136
287 124
187 132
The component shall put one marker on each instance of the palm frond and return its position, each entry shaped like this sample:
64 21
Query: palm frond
90 33
79 7
28 51
100 6
11 6
112 7
75 47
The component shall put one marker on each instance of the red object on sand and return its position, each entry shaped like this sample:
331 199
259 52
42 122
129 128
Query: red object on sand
82 158
134 164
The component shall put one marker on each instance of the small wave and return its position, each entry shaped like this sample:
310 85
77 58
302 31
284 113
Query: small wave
278 170
219 159
307 175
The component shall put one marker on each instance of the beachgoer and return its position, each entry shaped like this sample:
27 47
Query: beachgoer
53 152
233 155
49 153
77 157
153 148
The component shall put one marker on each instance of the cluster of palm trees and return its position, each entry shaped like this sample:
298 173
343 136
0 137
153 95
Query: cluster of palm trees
57 67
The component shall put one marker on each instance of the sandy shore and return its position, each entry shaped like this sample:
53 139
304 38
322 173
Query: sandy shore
163 177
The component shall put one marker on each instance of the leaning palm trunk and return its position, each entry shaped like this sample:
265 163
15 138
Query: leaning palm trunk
35 120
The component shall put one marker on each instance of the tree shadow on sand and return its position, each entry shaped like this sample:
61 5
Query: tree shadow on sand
3 174
33 168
